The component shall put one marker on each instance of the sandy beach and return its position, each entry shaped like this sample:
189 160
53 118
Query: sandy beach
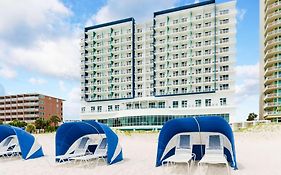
258 153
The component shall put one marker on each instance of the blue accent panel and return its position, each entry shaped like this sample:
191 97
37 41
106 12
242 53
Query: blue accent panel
25 139
112 141
154 58
68 133
108 24
205 124
184 7
209 92
169 154
38 153
133 58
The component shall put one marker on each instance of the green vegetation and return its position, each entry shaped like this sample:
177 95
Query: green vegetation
252 117
30 128
49 125
17 123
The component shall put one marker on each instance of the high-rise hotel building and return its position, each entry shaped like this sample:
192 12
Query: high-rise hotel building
180 64
270 99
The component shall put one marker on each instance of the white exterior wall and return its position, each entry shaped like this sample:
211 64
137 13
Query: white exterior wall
144 67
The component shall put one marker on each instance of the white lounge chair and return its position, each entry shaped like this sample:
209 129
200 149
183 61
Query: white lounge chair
9 147
80 150
214 153
100 153
183 152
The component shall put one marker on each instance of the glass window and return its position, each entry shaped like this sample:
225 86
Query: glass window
161 104
184 104
99 108
175 104
198 103
208 102
222 101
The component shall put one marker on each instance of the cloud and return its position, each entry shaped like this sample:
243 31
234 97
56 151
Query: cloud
241 14
62 85
247 83
37 81
7 72
37 37
72 104
140 10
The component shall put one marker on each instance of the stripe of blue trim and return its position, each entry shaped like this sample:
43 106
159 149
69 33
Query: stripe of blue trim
193 93
184 7
133 58
154 58
109 24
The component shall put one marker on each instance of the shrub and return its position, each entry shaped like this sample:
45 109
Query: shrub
30 128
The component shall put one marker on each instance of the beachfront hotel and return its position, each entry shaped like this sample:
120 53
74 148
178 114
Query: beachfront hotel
178 64
29 107
270 99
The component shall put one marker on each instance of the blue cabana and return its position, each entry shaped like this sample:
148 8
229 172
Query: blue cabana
199 128
68 134
29 148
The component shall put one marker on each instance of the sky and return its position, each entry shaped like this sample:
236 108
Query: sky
40 53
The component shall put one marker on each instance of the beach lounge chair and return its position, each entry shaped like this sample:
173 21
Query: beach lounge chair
9 147
214 153
99 153
80 150
183 152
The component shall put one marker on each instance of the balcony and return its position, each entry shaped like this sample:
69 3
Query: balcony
272 69
272 104
272 34
272 87
272 96
270 79
271 16
273 7
273 25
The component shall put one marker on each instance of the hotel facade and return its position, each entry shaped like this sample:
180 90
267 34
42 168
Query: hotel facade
181 64
270 98
29 107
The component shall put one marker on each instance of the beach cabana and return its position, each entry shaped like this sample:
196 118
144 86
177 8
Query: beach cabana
14 140
199 129
78 139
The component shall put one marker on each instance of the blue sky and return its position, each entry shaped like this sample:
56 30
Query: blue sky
40 45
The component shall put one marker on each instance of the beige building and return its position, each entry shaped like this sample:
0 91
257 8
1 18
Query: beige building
270 98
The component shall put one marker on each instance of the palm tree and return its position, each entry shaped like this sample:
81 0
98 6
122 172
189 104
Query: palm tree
252 117
40 123
55 120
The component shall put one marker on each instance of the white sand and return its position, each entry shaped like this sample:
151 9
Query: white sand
258 153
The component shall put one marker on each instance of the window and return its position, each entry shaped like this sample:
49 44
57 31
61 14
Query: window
208 102
224 87
92 108
175 104
109 108
184 104
83 109
99 108
222 101
161 104
224 77
197 103
151 105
